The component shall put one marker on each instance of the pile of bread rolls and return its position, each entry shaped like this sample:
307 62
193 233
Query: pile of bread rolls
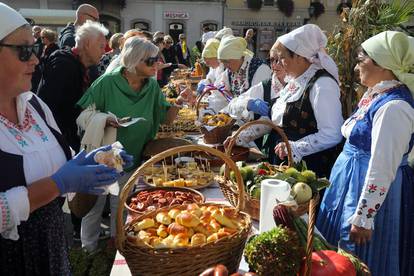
191 226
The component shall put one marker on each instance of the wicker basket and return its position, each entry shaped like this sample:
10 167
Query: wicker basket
252 205
190 261
312 206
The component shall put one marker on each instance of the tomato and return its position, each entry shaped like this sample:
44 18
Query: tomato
330 263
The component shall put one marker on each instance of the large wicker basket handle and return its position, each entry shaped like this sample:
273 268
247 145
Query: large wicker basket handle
311 227
132 180
199 98
261 122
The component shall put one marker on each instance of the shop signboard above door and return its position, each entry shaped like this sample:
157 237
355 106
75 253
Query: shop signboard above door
176 15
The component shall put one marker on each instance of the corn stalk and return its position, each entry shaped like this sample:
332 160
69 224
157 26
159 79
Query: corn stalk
365 19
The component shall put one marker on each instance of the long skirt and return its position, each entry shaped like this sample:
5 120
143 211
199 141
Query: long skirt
391 249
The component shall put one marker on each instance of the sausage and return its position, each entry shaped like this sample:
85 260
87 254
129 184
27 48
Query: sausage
221 270
208 272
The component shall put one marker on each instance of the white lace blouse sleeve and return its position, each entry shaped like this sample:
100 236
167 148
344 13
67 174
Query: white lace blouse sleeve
387 150
325 100
238 106
262 73
14 208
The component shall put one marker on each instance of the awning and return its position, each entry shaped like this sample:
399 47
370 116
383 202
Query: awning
48 16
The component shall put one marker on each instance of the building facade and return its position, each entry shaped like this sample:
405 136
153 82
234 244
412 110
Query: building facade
173 17
58 13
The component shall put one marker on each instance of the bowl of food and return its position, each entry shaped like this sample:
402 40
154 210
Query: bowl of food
151 199
216 128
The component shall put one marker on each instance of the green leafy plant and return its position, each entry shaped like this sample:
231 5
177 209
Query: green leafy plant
363 20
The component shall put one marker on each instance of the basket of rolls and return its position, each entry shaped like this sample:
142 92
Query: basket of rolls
229 188
183 239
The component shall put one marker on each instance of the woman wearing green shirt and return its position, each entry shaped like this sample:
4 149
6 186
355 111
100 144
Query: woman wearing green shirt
127 91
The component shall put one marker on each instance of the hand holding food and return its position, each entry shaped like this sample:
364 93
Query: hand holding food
75 176
115 157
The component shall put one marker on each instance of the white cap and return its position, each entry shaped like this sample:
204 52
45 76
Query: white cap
10 20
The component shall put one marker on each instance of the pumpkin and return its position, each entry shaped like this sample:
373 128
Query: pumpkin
330 263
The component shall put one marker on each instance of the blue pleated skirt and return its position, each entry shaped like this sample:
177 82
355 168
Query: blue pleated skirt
391 249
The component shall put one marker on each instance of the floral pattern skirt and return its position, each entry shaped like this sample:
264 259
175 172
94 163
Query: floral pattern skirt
391 249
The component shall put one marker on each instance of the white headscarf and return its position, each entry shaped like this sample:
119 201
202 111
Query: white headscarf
223 32
205 37
10 20
309 41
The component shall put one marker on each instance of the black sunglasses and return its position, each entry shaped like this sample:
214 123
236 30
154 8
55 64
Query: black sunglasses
151 61
273 60
24 51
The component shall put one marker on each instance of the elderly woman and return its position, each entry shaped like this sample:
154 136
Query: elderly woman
301 110
34 160
242 69
48 37
256 101
127 91
369 207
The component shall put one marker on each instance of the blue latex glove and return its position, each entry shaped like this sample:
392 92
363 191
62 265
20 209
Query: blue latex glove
75 176
200 88
258 106
127 158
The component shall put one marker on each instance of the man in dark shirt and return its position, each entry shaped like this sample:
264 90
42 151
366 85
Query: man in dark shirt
67 35
65 77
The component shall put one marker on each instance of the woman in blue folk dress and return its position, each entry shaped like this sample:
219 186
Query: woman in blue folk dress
369 208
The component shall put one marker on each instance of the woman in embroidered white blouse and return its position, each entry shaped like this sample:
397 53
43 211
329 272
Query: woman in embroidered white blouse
369 207
34 167
308 108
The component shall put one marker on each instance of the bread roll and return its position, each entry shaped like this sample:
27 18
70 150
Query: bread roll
206 217
212 237
175 229
168 241
144 236
215 225
194 209
227 230
198 239
163 218
180 240
155 241
144 224
223 220
204 229
187 219
162 231
173 213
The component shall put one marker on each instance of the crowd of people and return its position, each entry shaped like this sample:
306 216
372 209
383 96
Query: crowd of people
83 80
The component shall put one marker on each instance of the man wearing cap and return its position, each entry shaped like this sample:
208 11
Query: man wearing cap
242 69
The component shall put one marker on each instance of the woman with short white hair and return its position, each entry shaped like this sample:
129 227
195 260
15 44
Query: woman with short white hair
128 91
